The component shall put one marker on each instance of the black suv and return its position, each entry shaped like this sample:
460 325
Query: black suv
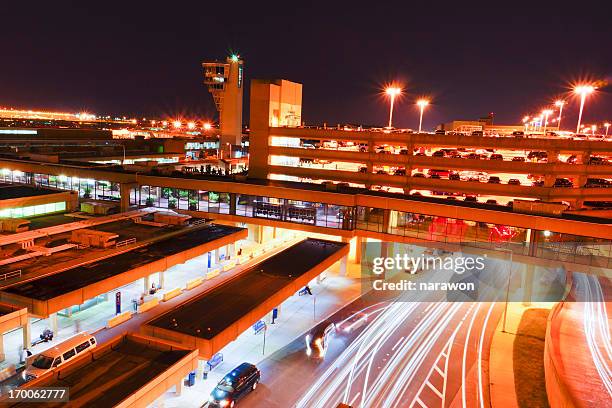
235 385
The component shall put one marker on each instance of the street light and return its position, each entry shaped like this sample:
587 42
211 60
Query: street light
583 91
593 129
559 104
526 122
176 124
421 103
392 92
607 126
546 113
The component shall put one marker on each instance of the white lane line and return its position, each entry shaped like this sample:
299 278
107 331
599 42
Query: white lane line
397 344
352 403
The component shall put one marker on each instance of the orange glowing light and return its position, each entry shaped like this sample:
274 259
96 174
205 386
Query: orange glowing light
176 124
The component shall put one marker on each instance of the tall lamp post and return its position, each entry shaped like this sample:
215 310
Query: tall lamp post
559 104
546 113
583 91
607 126
392 92
421 103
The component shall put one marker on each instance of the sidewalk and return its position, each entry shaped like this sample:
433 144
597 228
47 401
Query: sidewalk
501 364
296 315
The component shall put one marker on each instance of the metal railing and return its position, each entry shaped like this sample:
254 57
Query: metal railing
12 274
128 241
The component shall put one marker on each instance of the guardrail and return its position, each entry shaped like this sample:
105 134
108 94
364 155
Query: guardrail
128 241
12 274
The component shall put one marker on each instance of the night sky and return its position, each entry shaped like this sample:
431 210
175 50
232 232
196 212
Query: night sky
143 58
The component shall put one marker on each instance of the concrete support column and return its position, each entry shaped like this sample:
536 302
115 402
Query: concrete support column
53 323
2 355
553 156
358 248
124 190
343 264
162 279
232 250
549 180
200 370
580 181
274 234
27 334
215 256
584 157
178 388
146 284
528 284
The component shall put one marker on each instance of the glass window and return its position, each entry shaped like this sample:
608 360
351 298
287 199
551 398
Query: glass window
69 354
82 346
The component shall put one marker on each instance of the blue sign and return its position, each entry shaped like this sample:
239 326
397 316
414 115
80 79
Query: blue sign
274 313
118 302
259 326
209 259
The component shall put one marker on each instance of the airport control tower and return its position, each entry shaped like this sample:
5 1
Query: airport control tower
225 81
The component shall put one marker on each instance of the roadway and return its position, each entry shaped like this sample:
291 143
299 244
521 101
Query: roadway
412 352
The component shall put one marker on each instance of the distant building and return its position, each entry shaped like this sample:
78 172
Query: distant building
484 124
225 81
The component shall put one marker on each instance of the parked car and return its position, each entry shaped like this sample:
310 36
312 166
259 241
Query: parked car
454 176
381 172
235 385
363 169
563 182
514 182
491 201
477 133
518 134
400 172
518 159
58 355
438 153
439 172
496 156
597 160
494 180
440 132
470 199
418 175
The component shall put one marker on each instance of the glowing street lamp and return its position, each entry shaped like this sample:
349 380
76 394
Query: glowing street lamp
176 124
421 103
207 126
526 122
559 104
392 92
191 125
593 129
546 113
583 91
607 126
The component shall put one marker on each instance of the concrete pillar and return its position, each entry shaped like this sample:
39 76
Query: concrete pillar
358 248
147 283
200 370
274 236
553 156
215 256
549 180
2 356
585 157
178 388
528 284
124 190
580 181
162 279
53 323
343 264
232 250
27 334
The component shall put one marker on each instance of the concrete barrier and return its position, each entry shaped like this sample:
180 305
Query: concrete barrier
193 283
229 266
148 305
171 294
120 318
213 273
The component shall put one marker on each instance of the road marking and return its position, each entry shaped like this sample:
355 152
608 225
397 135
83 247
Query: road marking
397 344
352 403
